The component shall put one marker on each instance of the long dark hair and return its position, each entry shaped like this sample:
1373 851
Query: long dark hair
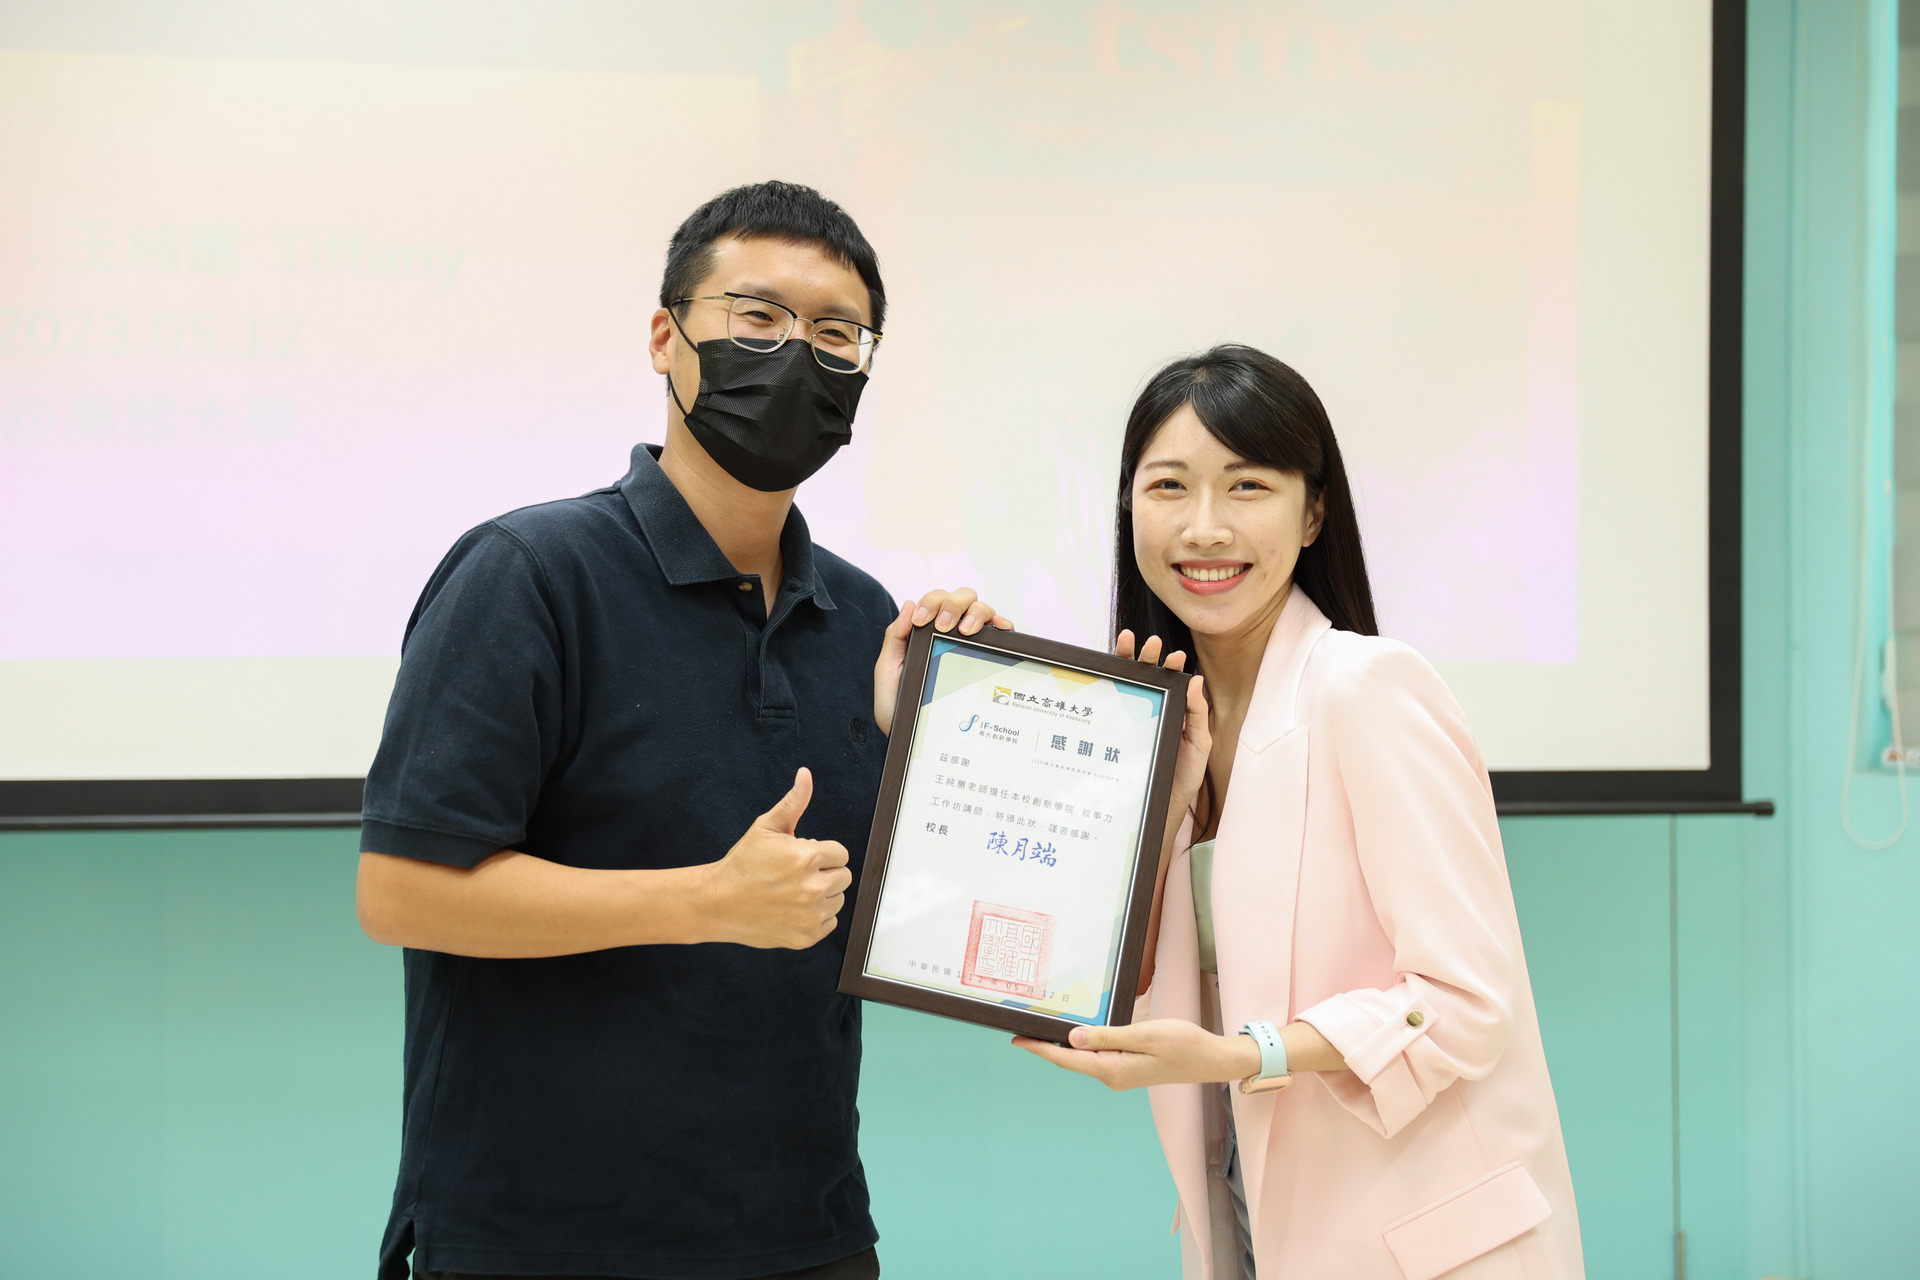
1266 414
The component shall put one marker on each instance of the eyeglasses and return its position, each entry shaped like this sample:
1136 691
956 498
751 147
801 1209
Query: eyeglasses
758 324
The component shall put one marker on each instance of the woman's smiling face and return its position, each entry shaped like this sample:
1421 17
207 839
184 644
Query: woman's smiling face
1216 536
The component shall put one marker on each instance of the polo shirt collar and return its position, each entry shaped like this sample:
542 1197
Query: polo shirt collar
686 551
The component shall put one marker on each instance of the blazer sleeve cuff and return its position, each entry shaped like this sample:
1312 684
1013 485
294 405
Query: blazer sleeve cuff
1373 1030
1370 1028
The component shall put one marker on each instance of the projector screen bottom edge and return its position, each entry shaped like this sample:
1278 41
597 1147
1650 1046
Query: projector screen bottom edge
209 803
180 802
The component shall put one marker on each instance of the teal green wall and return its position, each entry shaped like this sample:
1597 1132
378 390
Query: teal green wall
1832 1120
200 1069
199 1052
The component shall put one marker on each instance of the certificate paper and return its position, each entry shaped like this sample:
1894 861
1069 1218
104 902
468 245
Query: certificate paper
1013 858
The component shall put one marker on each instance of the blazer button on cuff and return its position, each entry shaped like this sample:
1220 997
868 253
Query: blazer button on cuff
1415 1018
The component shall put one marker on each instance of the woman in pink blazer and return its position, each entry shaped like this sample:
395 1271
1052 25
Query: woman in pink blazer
1336 1025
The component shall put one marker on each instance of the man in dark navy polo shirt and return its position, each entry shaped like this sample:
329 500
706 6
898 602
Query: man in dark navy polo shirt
627 776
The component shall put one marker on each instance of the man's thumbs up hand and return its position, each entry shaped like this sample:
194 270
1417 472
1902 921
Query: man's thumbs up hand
774 889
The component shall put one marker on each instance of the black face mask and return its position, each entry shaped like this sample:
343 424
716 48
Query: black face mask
772 418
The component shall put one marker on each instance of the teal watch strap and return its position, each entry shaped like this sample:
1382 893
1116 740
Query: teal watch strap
1273 1050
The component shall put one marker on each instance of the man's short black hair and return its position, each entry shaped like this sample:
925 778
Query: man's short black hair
777 211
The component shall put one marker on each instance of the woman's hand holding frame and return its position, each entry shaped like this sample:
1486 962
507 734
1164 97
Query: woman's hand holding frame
1189 775
1196 732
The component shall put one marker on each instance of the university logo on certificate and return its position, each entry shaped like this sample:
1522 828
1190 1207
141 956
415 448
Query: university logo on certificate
1018 833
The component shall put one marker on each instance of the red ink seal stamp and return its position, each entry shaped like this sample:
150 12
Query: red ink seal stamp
1008 950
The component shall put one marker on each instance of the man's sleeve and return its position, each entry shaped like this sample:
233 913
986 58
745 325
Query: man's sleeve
475 718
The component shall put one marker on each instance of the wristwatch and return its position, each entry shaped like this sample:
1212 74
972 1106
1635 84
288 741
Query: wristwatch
1273 1059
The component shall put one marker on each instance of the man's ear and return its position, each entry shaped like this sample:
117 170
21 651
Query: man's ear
660 341
1316 518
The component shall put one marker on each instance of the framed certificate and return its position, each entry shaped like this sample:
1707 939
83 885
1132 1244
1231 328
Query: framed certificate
1011 867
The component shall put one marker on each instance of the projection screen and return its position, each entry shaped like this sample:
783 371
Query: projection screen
292 295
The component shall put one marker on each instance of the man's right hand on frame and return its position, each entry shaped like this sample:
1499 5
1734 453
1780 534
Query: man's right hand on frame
774 889
961 611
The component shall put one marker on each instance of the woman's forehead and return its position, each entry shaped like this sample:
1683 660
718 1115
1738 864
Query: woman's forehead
1183 443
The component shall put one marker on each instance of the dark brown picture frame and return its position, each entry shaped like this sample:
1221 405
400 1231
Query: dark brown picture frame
854 979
